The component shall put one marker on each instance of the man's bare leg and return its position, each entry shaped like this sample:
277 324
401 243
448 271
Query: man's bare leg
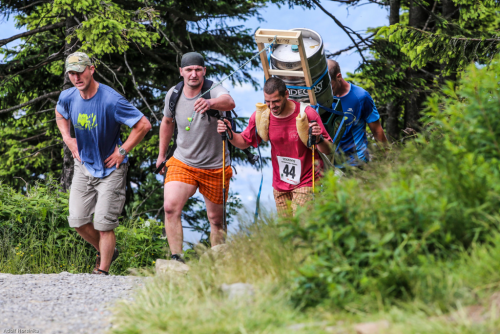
107 245
176 194
215 213
90 234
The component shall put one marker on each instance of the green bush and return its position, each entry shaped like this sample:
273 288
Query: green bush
35 236
372 235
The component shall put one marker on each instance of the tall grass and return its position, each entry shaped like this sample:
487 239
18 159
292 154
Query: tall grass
195 304
371 236
413 239
257 255
35 236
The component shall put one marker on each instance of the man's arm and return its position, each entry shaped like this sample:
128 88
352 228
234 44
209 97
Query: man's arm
223 103
378 132
238 140
139 130
64 126
167 128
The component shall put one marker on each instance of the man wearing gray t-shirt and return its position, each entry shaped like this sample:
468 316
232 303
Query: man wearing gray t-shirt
197 160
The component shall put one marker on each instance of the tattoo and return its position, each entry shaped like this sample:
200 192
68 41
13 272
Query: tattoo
59 118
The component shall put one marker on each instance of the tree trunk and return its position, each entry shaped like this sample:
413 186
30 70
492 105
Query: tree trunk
413 105
418 15
68 161
394 11
450 12
392 122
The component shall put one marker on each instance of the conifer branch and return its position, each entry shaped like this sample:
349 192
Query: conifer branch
179 52
40 98
44 148
34 3
32 32
343 28
430 15
48 60
136 87
338 53
114 74
430 34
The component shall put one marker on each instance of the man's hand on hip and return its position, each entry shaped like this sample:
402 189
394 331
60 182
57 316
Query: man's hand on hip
73 147
114 159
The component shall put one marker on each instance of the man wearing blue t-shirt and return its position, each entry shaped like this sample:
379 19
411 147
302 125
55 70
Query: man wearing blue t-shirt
99 179
360 110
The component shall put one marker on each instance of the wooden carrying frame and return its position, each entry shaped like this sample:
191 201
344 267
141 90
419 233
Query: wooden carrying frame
285 37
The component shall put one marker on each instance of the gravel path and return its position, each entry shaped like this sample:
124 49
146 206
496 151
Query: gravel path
60 303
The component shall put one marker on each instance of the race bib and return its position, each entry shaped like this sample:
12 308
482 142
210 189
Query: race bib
290 170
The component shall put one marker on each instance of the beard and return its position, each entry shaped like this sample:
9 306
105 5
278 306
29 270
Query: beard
281 109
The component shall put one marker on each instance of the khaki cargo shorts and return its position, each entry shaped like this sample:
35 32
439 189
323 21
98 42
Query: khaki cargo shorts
102 197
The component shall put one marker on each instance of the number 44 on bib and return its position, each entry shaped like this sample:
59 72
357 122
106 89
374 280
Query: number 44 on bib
290 170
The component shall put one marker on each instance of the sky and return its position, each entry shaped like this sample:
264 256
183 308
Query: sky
246 182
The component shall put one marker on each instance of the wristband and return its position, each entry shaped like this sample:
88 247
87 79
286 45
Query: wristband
321 139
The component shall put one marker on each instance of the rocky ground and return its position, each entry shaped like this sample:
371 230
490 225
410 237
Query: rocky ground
60 303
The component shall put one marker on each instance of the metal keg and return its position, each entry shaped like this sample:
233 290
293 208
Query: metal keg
287 57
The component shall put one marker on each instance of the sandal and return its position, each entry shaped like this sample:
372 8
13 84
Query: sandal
116 253
99 272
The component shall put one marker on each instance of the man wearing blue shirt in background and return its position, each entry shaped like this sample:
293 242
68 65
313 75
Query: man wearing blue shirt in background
99 180
359 108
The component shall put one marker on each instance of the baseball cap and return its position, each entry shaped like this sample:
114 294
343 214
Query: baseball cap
77 62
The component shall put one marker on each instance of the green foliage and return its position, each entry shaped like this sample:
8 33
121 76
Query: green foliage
34 232
370 236
140 244
452 51
257 255
194 303
154 35
35 236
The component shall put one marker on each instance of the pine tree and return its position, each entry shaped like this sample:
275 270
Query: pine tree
425 44
136 46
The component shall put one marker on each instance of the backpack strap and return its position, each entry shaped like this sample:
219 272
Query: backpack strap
176 94
207 84
303 107
174 98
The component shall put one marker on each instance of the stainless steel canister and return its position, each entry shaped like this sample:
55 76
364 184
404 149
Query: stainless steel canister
287 57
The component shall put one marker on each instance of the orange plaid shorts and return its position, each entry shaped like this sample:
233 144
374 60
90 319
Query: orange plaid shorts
209 181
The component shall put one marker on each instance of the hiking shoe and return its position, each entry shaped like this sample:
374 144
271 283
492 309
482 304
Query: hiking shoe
99 272
177 257
116 253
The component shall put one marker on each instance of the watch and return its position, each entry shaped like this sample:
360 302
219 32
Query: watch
122 151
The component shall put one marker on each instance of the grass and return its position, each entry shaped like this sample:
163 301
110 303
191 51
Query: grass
257 255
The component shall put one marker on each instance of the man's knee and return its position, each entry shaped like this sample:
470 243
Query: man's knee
106 233
215 218
172 210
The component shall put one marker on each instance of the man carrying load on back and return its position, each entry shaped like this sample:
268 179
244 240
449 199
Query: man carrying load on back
291 159
360 110
197 160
